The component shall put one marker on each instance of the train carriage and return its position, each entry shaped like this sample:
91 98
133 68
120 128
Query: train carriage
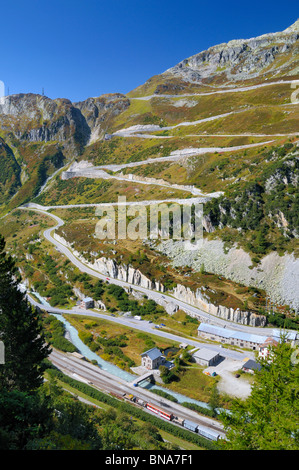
208 433
190 425
158 411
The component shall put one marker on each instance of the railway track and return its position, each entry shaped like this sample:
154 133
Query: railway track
95 376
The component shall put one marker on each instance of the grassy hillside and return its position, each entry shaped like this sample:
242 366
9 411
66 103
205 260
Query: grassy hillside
10 175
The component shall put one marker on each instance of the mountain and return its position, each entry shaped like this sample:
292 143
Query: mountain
266 56
222 124
270 56
39 135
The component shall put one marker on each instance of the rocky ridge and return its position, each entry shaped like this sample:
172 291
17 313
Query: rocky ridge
197 299
36 118
242 59
109 267
98 111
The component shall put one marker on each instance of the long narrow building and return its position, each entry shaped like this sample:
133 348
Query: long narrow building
238 338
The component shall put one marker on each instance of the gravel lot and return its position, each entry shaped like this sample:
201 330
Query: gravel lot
228 383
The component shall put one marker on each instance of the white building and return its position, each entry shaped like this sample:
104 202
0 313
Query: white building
264 349
239 338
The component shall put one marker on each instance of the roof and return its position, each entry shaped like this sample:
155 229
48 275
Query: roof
205 354
249 337
216 330
187 422
250 364
227 333
153 353
291 335
269 342
87 299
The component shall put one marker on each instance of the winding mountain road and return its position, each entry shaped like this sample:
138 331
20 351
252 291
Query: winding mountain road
178 155
155 295
217 92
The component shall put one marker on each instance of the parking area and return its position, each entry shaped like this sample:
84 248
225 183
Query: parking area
228 383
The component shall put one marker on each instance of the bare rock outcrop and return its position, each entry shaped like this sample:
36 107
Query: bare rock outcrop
196 299
241 58
109 267
126 273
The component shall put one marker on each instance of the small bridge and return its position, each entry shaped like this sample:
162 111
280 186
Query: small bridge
146 376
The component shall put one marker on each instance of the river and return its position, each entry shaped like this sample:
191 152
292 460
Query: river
73 336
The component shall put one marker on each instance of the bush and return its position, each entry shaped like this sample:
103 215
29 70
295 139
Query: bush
54 333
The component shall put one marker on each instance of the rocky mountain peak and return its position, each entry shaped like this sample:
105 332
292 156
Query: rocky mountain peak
293 28
242 59
36 118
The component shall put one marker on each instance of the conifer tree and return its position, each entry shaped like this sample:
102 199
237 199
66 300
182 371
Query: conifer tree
20 331
269 418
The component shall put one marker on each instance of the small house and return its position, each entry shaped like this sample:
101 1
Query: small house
152 359
87 302
251 366
265 348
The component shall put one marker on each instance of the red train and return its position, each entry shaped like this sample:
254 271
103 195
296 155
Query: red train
202 430
159 412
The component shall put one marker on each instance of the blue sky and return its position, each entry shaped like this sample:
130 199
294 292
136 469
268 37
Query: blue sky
76 49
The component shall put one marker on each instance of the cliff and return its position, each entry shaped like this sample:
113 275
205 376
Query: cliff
35 118
237 316
126 273
108 267
99 111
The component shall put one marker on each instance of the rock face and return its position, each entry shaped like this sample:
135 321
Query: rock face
241 59
277 275
98 111
36 118
126 273
237 316
108 267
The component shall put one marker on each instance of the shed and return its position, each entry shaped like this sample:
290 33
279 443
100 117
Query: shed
206 357
87 302
251 366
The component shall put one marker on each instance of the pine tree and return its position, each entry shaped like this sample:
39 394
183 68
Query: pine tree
20 331
269 418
